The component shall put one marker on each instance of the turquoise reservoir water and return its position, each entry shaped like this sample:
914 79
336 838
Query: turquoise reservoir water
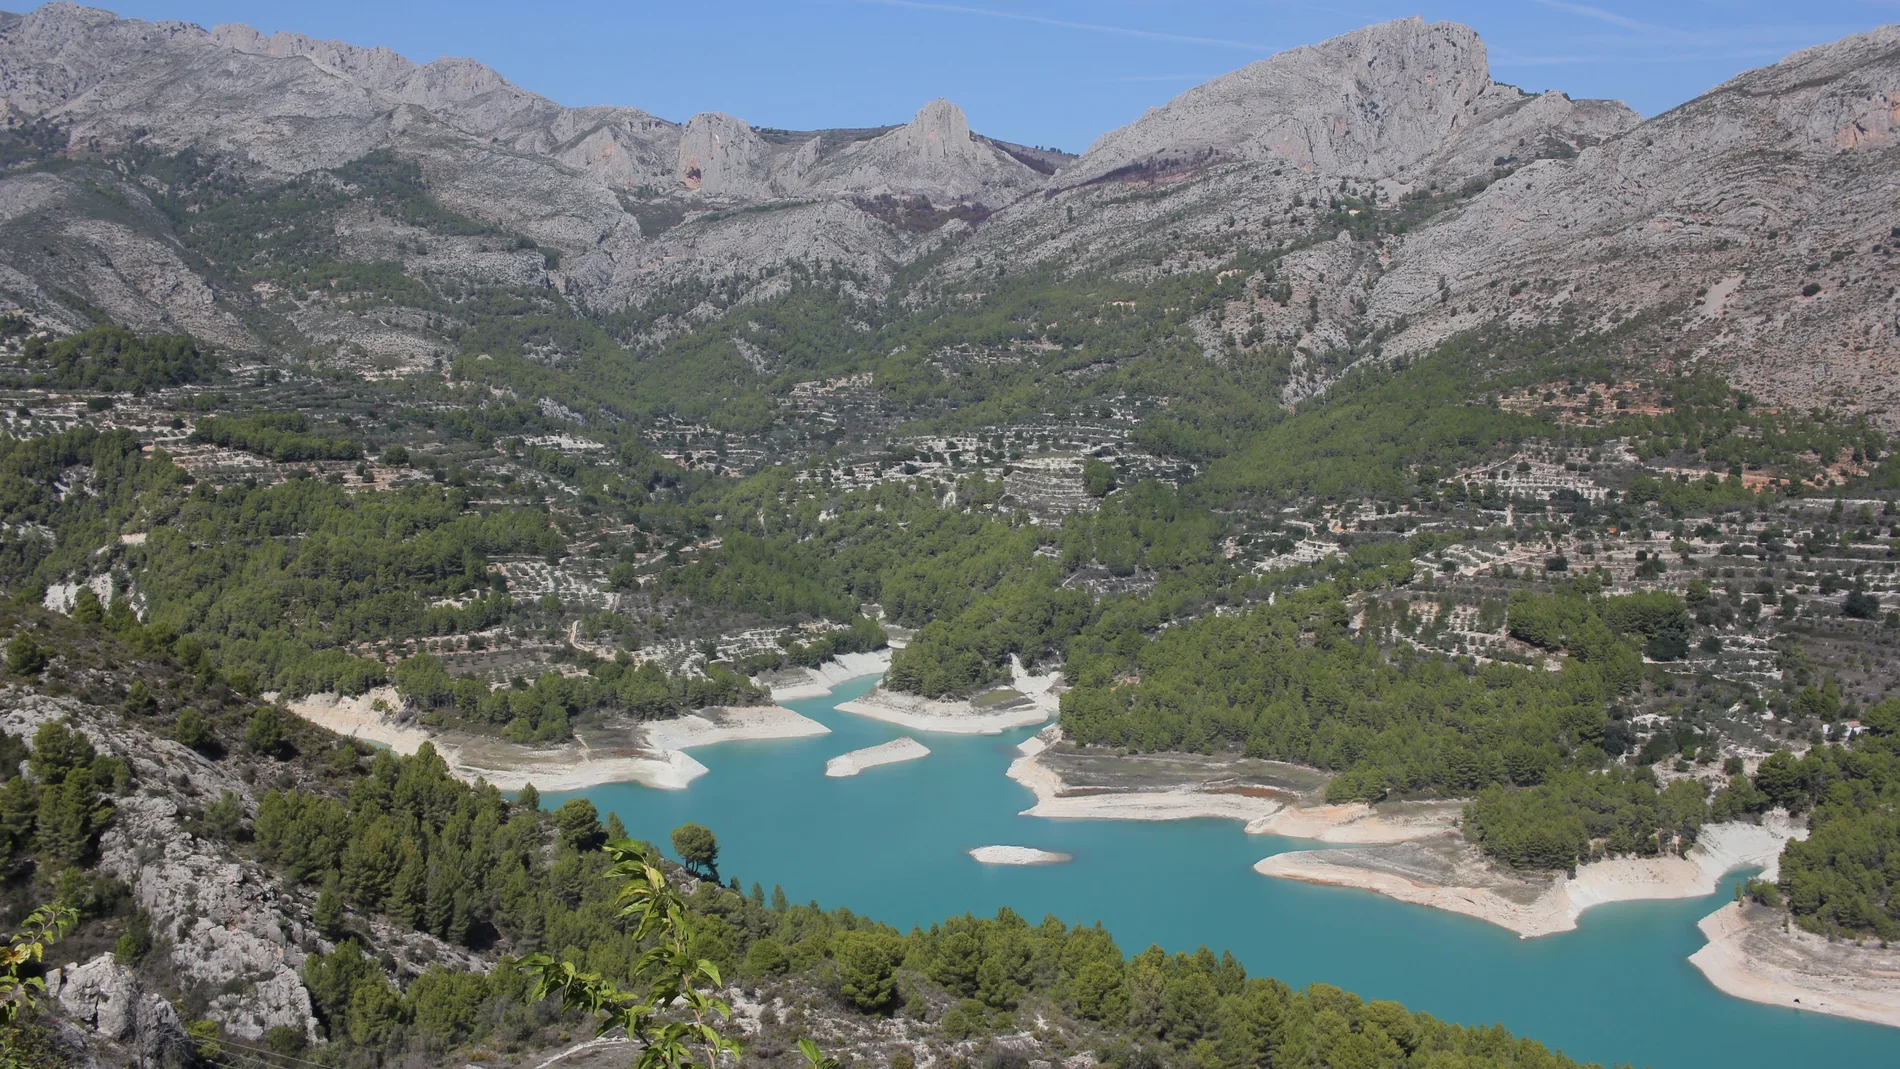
890 842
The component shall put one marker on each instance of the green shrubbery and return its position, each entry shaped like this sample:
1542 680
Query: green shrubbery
1582 816
279 436
1845 877
543 711
113 358
1292 682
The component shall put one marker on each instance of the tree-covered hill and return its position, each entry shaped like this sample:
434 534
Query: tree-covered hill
407 893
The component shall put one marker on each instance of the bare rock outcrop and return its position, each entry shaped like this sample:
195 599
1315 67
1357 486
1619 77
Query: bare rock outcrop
1384 102
109 999
933 155
720 155
227 929
1757 219
1753 228
56 242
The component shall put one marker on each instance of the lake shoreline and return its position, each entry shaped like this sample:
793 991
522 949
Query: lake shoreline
1746 956
1753 954
1754 961
1462 881
650 753
1026 701
1264 812
1053 802
801 684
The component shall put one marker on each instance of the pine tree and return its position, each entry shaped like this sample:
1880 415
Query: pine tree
958 959
407 893
327 914
57 750
371 862
19 811
70 818
265 733
87 612
25 657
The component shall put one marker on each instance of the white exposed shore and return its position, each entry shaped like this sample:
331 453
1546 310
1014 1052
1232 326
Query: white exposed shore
1358 823
649 754
1145 805
798 684
1018 855
1263 815
358 718
571 768
889 753
1720 849
745 723
1038 702
1750 955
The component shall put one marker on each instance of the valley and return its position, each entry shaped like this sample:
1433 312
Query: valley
1356 475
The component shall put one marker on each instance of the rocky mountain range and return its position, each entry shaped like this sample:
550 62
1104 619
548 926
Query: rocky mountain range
1751 231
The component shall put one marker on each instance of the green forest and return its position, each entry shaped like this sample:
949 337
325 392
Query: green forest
1844 879
652 467
115 360
398 840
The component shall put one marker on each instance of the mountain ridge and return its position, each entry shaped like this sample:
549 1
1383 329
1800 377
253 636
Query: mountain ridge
1280 157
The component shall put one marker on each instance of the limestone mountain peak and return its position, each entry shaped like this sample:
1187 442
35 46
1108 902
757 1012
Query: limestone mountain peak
1374 103
721 154
939 131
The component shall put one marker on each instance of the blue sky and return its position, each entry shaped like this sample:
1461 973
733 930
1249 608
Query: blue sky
1049 72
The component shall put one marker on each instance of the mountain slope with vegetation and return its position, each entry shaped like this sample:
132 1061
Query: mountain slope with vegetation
399 895
1440 201
1337 466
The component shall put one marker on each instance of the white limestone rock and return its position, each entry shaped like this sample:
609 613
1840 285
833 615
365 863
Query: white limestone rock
108 999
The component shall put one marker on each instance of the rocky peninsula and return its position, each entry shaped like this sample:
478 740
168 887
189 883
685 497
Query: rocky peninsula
650 753
1027 700
1446 872
1754 953
1270 797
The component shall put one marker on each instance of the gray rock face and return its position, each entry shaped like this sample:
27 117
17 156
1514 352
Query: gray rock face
229 930
58 235
377 68
720 155
1384 102
282 105
110 1000
225 929
1706 218
934 155
1718 215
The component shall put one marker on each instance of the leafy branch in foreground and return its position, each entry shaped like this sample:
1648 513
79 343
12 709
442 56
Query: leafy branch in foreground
19 994
816 1058
676 977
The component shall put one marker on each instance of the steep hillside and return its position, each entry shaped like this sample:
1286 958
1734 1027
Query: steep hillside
1761 221
1753 226
1395 189
574 179
1401 103
1353 410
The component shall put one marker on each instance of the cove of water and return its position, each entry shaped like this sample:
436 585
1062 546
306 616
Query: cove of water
890 843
